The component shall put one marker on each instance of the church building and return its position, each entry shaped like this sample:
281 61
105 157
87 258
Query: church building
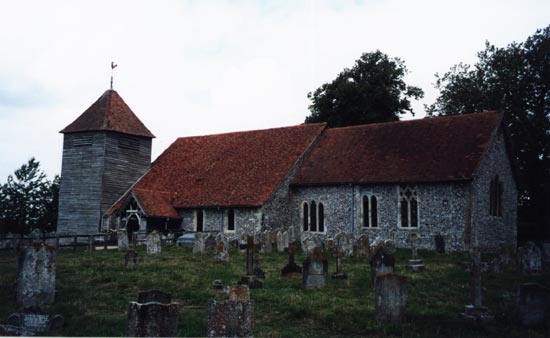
450 176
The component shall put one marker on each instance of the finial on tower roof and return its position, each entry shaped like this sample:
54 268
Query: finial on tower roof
113 66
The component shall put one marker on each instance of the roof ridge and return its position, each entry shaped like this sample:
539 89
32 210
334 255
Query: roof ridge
255 130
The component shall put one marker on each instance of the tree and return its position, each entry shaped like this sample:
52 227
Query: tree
28 200
516 81
373 90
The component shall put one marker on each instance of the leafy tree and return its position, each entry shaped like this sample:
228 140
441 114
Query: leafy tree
373 90
516 81
28 200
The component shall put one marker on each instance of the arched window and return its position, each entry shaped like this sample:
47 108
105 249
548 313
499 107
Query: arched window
366 211
321 217
231 220
373 212
199 219
408 202
313 217
495 197
305 216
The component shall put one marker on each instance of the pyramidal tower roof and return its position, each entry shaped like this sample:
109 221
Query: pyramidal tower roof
109 113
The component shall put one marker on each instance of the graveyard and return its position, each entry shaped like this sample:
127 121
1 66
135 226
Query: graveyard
93 292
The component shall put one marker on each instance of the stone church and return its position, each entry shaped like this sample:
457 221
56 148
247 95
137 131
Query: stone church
452 176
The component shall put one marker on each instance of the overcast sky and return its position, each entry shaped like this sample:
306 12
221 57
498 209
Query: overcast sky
202 67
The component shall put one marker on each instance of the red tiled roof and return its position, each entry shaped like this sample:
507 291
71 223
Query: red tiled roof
156 203
234 169
427 150
109 113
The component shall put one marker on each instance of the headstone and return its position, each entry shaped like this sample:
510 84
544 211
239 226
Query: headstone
291 234
36 280
152 319
308 243
506 254
221 252
414 264
152 242
280 242
285 240
122 240
198 245
439 243
530 258
267 245
231 318
131 258
256 263
344 241
363 246
476 311
382 260
210 243
292 270
338 253
250 277
154 296
32 324
390 298
533 305
315 270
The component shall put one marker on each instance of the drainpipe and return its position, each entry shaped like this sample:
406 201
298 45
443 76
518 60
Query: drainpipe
352 223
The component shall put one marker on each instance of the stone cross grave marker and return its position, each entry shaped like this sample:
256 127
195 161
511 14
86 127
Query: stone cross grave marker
291 270
363 246
122 240
338 253
36 280
153 315
414 264
533 305
530 258
250 278
476 311
198 245
315 270
231 318
131 258
382 260
153 243
390 298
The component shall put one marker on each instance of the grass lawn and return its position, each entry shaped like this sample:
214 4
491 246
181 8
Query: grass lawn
93 291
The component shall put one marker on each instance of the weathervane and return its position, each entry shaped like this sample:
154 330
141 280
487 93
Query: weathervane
113 66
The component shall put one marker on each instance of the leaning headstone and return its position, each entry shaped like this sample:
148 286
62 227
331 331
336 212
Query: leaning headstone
382 260
210 243
221 252
533 305
280 242
476 311
344 241
36 280
152 242
439 243
152 318
315 270
390 298
131 258
363 246
198 245
231 318
154 296
530 258
32 324
122 240
291 270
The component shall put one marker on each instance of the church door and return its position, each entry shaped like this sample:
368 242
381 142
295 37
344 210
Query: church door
131 227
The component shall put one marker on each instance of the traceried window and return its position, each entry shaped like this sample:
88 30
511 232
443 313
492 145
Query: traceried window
408 205
199 220
231 220
313 216
370 212
495 197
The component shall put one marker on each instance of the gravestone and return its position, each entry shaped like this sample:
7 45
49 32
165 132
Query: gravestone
506 254
231 318
32 324
344 241
198 245
533 305
36 280
266 244
414 264
152 318
122 240
308 243
280 242
210 243
291 234
285 240
250 277
382 260
291 270
530 258
390 298
154 296
439 243
153 243
131 258
221 252
315 270
338 253
363 246
476 311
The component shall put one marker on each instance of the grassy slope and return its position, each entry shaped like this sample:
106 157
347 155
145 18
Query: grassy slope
93 291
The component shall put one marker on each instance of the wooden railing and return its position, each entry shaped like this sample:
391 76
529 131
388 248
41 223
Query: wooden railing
60 241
